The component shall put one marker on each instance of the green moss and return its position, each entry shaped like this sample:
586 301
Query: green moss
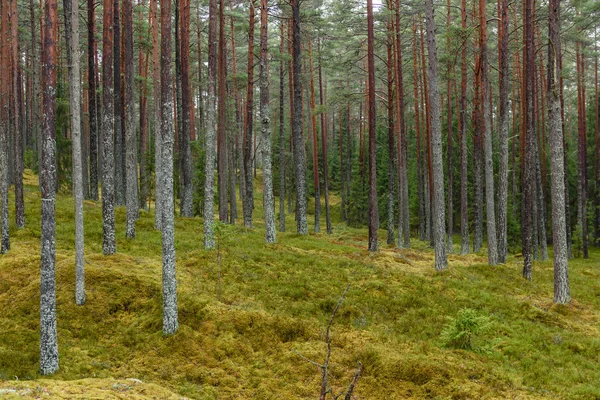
275 302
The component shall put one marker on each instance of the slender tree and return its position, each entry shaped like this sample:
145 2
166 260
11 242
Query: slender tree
373 208
529 138
17 120
247 199
268 198
281 134
222 125
504 121
92 108
315 143
48 334
187 209
324 144
131 164
464 175
487 139
109 245
71 10
169 281
441 261
4 123
119 147
211 135
297 134
154 23
562 293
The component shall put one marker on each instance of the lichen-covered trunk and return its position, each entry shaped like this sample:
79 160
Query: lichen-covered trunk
315 152
118 146
562 293
169 280
464 173
324 145
222 163
156 113
487 140
17 118
391 139
131 164
449 150
48 334
247 200
403 200
211 134
268 198
529 161
297 134
109 245
71 10
281 135
92 107
441 261
373 206
4 124
503 139
187 191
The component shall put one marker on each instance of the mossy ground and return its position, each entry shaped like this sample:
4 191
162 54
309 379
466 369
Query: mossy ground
243 323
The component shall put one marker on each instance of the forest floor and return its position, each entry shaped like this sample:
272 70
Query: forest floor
244 322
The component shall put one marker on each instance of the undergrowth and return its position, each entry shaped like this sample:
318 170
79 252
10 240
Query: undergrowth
243 320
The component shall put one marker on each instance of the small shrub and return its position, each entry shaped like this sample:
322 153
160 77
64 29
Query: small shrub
460 331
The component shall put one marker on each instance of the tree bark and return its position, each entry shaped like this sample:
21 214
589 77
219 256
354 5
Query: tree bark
281 134
562 294
108 181
156 115
131 165
268 198
169 281
297 135
221 129
324 144
464 173
441 261
504 121
17 117
119 147
48 334
313 111
92 108
187 200
391 129
5 123
247 200
71 10
373 206
211 135
529 161
487 138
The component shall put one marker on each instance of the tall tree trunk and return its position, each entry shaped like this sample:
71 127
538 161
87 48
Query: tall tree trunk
17 117
464 173
109 245
281 135
477 151
313 111
420 173
247 200
238 161
582 149
487 138
92 109
529 161
5 122
562 293
187 201
373 207
48 335
297 135
169 281
504 121
324 143
221 129
156 113
449 72
71 10
403 206
427 150
441 261
391 129
268 199
211 134
119 146
131 164
143 88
